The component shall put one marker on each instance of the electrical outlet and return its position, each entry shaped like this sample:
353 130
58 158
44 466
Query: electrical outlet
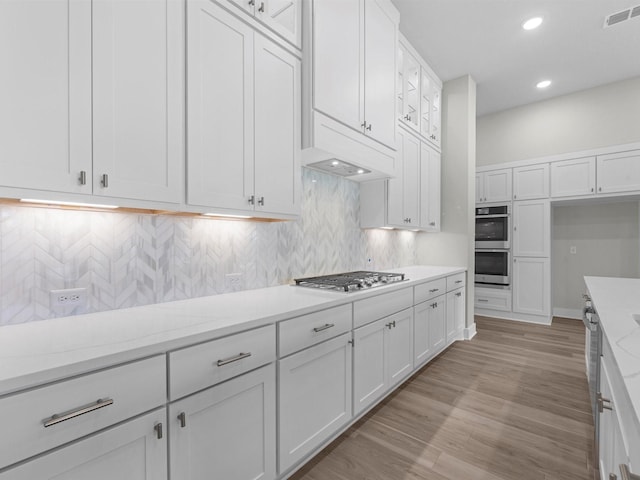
234 281
572 250
69 298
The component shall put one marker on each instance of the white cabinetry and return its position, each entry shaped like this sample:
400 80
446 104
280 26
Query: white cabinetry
431 115
456 303
135 450
404 190
619 172
429 329
382 357
99 87
573 177
409 83
243 98
494 186
531 228
350 104
492 299
227 431
531 182
314 397
531 285
282 16
430 184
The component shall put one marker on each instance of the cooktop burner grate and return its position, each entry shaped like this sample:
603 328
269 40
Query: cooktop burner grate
350 281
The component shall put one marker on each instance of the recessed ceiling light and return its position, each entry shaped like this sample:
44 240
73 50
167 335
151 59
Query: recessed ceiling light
532 23
543 84
335 163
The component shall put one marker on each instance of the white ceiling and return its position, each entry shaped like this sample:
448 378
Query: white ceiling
484 38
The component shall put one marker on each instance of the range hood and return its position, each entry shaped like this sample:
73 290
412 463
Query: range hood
339 167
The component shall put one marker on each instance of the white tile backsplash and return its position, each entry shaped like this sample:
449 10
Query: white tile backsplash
128 259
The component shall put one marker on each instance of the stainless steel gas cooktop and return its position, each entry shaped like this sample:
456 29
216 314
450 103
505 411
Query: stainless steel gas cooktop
351 281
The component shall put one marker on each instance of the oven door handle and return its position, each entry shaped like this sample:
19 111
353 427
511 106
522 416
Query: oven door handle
498 215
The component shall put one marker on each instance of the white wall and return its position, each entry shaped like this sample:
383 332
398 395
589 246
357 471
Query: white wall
454 245
606 239
598 117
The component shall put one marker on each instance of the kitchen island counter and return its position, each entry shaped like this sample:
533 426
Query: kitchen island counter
37 353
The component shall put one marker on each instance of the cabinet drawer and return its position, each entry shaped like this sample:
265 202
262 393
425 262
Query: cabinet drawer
194 368
307 330
83 405
370 309
429 290
493 299
456 281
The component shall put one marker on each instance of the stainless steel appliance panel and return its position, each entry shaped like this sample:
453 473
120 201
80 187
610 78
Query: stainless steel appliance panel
493 227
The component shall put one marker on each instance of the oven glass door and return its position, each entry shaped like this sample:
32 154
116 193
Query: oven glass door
492 267
492 231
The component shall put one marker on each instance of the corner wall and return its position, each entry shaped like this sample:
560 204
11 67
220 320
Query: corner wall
598 117
454 245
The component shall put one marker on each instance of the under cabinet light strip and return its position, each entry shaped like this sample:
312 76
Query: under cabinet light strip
66 204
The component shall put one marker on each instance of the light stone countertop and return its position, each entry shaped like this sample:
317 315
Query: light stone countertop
615 300
36 353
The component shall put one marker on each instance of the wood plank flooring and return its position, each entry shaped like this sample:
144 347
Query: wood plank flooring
511 404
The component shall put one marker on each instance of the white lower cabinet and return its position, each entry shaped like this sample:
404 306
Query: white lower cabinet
226 431
429 329
531 280
314 398
134 450
455 314
382 357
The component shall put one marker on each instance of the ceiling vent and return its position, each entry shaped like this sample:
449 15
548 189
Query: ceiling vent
623 16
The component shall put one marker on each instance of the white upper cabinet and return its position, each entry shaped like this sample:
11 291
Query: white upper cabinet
431 115
493 186
573 177
409 82
45 93
137 99
244 120
283 16
531 182
404 190
116 64
619 172
354 45
430 168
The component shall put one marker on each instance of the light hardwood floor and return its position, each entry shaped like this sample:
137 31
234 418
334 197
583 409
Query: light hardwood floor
511 404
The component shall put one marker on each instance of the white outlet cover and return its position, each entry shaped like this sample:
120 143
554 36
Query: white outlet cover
68 298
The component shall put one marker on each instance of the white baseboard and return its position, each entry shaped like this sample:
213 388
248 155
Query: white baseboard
470 331
567 312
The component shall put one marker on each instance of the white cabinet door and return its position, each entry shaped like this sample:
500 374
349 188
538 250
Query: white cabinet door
496 186
531 285
404 190
429 329
430 168
131 450
573 177
431 112
282 16
337 63
480 188
455 314
277 128
399 346
368 364
531 182
220 107
227 431
137 99
380 44
531 228
619 172
45 95
314 397
410 81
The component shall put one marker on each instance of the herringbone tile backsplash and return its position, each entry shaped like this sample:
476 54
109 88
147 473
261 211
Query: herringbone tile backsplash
126 260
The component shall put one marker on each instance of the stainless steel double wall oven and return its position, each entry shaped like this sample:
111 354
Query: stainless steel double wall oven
493 246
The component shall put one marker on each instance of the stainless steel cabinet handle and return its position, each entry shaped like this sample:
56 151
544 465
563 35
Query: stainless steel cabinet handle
434 305
391 325
324 327
183 420
55 419
226 361
458 281
592 190
82 179
433 290
458 294
158 429
252 200
626 473
261 201
601 403
104 180
369 127
432 224
261 9
363 124
252 3
483 300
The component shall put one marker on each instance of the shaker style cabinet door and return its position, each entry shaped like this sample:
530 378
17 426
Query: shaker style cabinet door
138 99
227 431
430 167
531 292
531 236
134 450
220 107
277 128
404 190
45 94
